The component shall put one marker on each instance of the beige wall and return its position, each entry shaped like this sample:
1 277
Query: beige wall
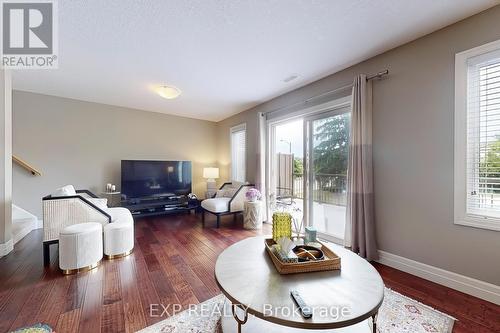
413 148
81 143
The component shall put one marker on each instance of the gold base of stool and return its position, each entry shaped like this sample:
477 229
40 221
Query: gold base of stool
80 270
116 256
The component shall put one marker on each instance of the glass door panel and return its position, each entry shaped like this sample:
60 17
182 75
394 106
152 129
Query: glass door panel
286 161
327 142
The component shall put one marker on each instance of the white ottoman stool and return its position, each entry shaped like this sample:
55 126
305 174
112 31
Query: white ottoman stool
80 247
119 234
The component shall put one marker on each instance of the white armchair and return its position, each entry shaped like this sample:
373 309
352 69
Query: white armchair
68 207
60 211
228 200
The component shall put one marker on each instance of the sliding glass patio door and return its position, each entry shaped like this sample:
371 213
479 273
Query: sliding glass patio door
307 166
326 149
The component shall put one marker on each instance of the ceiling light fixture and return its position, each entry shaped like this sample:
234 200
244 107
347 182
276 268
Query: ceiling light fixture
168 92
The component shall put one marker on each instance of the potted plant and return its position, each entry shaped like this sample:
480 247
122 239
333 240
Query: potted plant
253 195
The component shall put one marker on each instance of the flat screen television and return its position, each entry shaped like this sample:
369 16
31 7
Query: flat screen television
155 179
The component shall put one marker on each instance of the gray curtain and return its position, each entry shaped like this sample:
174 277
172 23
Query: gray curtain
360 201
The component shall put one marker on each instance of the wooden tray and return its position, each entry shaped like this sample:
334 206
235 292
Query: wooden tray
330 263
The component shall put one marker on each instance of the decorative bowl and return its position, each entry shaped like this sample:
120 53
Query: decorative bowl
308 253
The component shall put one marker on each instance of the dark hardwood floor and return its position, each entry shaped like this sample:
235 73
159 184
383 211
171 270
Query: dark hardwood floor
172 263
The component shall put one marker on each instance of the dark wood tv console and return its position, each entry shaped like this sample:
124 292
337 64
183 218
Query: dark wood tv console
161 207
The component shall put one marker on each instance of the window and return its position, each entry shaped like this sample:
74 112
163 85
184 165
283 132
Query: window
238 152
477 137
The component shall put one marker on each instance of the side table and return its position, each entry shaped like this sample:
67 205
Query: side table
252 215
110 196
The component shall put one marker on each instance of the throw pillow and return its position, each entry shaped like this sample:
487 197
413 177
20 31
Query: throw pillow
236 184
64 191
230 191
99 202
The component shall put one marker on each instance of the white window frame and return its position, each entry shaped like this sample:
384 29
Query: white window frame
234 129
461 216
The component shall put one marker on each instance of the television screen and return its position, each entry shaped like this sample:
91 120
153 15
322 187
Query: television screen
155 179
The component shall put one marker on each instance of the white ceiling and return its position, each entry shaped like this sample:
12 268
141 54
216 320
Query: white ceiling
225 55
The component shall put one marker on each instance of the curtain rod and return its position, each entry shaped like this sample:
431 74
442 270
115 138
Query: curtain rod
378 75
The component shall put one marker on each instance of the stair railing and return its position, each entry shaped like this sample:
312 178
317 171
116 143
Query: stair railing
26 166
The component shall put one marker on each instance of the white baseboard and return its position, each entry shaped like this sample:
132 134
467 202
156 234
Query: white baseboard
22 233
474 287
5 248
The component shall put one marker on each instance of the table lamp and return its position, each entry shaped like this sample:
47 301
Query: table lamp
211 174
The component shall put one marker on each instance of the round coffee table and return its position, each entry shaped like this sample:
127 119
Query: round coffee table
345 300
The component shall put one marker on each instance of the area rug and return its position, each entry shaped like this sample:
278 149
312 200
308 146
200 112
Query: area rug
402 314
398 314
37 328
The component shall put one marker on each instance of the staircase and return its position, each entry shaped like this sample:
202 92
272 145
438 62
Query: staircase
22 223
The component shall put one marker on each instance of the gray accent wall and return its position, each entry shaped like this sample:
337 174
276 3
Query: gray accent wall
82 143
413 114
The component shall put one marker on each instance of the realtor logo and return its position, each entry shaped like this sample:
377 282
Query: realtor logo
29 34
